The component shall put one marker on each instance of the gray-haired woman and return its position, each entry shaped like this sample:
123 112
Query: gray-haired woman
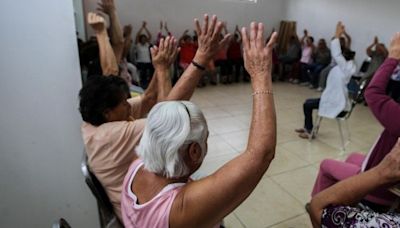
157 191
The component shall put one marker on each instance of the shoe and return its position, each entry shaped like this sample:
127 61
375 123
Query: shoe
290 80
311 86
320 89
304 135
304 84
295 81
300 130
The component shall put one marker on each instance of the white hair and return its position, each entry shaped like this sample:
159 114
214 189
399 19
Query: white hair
171 127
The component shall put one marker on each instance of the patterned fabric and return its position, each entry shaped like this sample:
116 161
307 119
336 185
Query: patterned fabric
354 217
396 74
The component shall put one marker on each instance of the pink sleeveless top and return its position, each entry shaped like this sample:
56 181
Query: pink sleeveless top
154 213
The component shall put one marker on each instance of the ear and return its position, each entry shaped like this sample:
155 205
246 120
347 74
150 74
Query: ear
195 153
107 114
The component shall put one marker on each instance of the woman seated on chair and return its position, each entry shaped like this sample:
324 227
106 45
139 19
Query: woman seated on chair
337 205
387 111
157 190
114 122
334 99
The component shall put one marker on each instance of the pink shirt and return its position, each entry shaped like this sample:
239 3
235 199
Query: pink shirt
306 56
110 150
154 213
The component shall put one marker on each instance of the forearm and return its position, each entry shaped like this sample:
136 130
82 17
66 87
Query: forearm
117 39
163 84
369 50
184 88
148 34
347 193
108 61
263 124
150 96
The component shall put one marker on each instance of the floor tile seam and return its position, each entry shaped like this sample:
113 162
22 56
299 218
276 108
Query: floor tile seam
294 217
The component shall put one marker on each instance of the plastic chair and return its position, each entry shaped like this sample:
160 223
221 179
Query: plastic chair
354 97
61 223
107 216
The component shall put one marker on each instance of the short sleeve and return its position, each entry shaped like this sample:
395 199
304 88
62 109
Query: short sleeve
136 106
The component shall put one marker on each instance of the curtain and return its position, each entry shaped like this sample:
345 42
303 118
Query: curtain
286 30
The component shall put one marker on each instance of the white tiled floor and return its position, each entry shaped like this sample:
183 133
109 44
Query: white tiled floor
278 200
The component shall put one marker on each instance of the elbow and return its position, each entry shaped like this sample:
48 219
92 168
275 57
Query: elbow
315 214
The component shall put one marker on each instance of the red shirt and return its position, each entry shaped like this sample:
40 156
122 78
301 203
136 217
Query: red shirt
234 50
187 53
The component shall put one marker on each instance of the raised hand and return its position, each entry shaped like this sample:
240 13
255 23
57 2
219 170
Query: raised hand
106 6
389 168
257 55
97 22
394 50
208 39
305 32
340 29
161 25
165 54
376 41
144 24
127 30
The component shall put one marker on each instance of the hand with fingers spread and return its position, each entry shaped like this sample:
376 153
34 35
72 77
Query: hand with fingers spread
394 50
208 39
97 22
258 55
106 6
165 54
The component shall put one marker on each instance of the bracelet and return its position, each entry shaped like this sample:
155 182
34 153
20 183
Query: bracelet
263 92
200 67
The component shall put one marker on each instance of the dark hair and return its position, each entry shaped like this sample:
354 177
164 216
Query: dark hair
142 36
186 38
98 94
311 38
348 54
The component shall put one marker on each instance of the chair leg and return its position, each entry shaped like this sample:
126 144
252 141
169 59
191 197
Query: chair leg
315 129
348 130
341 133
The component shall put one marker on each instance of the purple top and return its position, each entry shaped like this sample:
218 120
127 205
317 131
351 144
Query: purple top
387 112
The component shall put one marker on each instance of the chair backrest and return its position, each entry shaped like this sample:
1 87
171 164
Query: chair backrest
61 223
356 96
106 211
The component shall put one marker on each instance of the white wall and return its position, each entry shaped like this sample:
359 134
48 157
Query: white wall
80 20
180 13
363 19
40 141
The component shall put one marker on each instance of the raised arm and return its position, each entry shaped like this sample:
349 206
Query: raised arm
348 39
149 37
237 31
183 36
127 41
374 44
302 41
384 108
166 29
139 33
117 39
205 202
163 57
209 45
350 191
108 62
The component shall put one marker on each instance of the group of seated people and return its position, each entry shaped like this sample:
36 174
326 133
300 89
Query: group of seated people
310 65
144 149
136 57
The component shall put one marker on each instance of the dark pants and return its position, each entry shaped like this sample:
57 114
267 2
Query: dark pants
308 108
146 71
310 73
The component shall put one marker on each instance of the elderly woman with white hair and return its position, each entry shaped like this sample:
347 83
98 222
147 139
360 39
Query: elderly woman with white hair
157 190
